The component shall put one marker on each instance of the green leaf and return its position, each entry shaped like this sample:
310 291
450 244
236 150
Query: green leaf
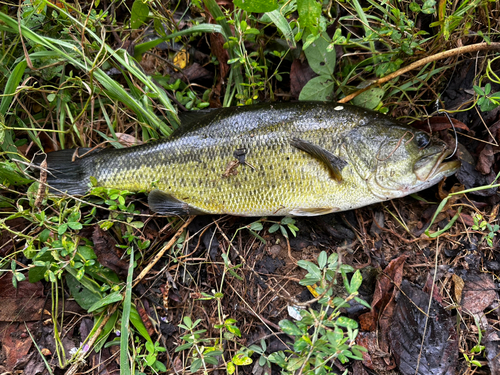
282 24
290 328
231 368
256 226
9 174
274 228
322 259
309 14
257 6
11 86
83 296
137 322
75 226
62 228
319 88
319 58
125 365
356 281
347 322
106 331
313 269
241 360
478 90
139 14
109 299
369 99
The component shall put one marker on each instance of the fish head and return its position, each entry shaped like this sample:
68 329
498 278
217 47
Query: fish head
397 160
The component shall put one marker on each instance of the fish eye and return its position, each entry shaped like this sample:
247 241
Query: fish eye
422 140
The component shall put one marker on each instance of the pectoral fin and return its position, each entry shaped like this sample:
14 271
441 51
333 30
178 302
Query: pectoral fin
334 164
165 204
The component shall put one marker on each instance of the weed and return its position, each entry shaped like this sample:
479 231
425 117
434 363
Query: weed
322 336
480 224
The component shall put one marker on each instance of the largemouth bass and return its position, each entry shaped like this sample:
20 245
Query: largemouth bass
298 159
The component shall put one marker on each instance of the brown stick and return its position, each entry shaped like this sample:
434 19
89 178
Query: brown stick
426 60
163 250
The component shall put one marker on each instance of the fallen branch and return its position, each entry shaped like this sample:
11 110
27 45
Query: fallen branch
424 61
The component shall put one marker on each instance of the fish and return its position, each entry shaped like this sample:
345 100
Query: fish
273 159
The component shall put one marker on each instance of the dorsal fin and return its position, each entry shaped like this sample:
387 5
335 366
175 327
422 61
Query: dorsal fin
334 164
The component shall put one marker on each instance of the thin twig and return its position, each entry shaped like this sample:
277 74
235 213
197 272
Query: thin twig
424 61
160 253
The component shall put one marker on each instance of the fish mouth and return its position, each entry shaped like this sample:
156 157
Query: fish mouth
439 169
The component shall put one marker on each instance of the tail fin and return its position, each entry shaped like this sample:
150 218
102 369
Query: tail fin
68 175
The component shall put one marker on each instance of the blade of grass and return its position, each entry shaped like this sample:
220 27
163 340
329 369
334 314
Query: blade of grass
140 49
125 368
80 60
11 86
281 23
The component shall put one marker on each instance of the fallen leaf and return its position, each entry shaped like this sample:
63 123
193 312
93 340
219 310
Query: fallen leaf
458 284
374 358
384 292
486 159
128 140
107 253
478 293
300 74
439 352
16 342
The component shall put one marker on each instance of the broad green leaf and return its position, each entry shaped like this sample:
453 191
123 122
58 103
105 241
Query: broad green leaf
309 14
320 59
139 14
356 281
322 259
137 322
319 88
83 296
9 174
241 360
109 299
257 6
347 322
369 99
295 363
290 328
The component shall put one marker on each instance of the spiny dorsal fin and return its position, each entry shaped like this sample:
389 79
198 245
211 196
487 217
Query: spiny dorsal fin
334 164
165 204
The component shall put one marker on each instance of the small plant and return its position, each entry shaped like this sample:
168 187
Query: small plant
199 353
322 336
483 226
477 349
286 222
487 101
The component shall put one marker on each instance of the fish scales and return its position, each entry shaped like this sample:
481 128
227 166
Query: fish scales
243 161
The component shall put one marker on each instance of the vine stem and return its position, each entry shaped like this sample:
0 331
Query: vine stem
442 55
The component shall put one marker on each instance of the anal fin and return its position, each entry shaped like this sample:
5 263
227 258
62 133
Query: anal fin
313 211
165 204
